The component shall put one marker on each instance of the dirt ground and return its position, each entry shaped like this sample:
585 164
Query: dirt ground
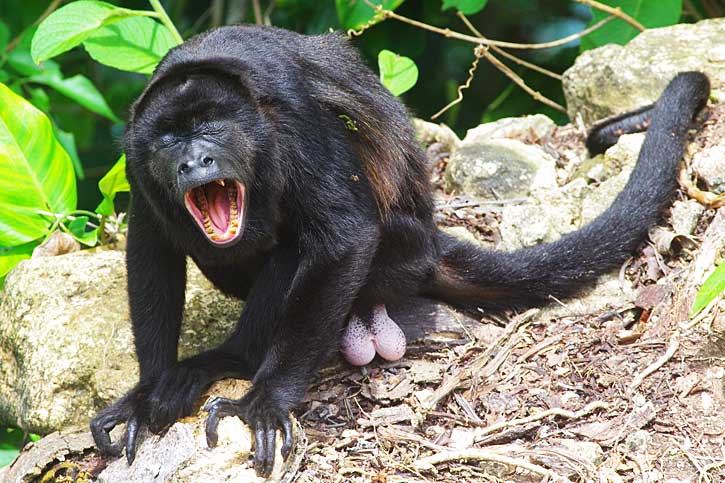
633 393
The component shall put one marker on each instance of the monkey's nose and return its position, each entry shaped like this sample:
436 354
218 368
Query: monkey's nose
186 168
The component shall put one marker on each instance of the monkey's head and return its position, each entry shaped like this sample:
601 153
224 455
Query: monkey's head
194 136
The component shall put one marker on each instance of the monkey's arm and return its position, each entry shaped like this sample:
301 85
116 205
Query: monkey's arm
156 283
291 322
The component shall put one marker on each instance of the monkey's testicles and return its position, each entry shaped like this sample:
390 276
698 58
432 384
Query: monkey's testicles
362 339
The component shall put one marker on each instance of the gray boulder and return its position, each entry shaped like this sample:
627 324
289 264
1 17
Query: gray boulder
614 78
66 347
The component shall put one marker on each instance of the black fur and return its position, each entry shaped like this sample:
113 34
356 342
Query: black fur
339 218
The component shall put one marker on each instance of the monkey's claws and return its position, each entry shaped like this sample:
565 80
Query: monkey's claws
264 421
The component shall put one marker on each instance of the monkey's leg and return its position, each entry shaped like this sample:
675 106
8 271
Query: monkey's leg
309 298
156 283
369 332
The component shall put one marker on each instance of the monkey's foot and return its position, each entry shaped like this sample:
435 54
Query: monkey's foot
261 412
362 339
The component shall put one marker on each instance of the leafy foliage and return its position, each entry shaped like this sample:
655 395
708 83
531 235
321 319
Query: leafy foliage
466 7
70 25
354 14
711 289
650 13
112 183
399 74
36 173
135 44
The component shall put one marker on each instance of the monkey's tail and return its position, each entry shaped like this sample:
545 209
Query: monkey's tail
469 275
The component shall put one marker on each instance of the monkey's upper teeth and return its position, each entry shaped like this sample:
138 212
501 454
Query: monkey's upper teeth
220 182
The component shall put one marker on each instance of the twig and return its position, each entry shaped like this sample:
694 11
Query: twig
50 9
164 17
520 82
509 56
257 12
469 204
499 43
485 455
563 413
616 11
478 52
671 349
703 475
483 366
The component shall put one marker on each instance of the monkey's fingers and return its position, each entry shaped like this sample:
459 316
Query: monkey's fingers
131 434
287 438
217 409
101 427
264 443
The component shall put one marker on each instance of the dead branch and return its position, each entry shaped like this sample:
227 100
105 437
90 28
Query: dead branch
671 349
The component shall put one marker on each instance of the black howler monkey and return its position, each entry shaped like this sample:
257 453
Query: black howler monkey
241 155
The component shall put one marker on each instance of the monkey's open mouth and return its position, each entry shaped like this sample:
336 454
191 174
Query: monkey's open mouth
218 209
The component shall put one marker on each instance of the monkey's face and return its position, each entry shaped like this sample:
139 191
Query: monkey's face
201 151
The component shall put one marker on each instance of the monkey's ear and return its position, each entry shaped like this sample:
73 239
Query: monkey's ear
170 73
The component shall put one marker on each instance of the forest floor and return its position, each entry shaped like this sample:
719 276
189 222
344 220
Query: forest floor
633 393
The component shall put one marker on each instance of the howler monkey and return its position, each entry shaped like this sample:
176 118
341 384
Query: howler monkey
241 155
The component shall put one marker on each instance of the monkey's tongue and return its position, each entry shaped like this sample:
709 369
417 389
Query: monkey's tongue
362 339
218 207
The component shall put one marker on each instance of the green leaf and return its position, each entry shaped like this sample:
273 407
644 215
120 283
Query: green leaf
11 441
77 228
22 62
713 287
136 44
39 98
68 26
353 14
113 182
650 13
35 171
78 88
68 141
11 256
466 7
4 35
399 74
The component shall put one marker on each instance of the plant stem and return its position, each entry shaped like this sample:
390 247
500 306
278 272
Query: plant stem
166 20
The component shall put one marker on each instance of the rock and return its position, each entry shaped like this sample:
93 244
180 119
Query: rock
499 169
554 212
685 215
709 165
66 348
175 456
614 79
429 133
527 129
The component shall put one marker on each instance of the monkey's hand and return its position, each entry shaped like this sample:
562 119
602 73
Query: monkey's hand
264 414
125 410
156 405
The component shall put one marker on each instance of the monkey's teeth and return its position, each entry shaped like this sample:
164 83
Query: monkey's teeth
220 182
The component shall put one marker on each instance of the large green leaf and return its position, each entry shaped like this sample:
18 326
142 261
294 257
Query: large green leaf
113 182
35 171
398 73
650 13
135 44
80 89
466 7
68 26
353 14
713 287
